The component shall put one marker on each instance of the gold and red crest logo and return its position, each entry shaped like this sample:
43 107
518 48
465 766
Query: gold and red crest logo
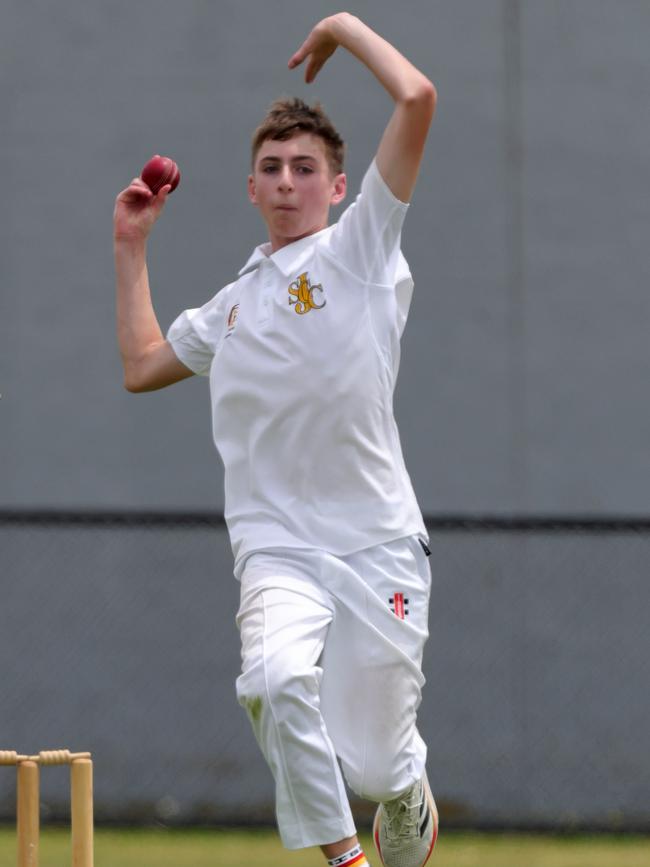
232 319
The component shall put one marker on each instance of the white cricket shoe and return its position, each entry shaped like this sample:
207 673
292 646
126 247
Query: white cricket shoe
405 829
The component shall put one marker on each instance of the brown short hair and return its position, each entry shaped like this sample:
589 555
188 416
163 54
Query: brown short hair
290 116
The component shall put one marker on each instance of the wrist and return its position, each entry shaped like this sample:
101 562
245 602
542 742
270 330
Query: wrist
340 25
134 243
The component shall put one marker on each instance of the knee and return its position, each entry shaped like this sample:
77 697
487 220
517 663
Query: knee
382 783
250 693
287 692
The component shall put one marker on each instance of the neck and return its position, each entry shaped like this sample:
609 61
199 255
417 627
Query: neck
279 241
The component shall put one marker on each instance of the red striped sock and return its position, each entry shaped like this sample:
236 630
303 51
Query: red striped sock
353 858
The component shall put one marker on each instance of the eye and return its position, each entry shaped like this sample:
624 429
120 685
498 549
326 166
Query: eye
305 170
269 169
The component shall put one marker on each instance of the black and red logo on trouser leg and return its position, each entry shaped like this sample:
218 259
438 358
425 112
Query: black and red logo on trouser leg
398 605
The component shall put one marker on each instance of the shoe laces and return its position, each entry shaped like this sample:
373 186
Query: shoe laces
401 815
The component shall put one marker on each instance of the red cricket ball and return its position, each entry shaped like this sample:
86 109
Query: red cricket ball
160 171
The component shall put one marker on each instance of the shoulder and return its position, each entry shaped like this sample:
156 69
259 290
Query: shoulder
374 204
366 237
373 184
216 305
376 195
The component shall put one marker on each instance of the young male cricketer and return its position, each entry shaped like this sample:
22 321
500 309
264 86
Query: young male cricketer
302 351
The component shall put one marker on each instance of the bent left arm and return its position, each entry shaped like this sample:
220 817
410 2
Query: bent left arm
402 145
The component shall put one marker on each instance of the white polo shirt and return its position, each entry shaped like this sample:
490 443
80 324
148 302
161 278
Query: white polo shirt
302 351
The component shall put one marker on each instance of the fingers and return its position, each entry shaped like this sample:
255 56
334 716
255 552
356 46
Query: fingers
313 68
318 47
136 191
297 58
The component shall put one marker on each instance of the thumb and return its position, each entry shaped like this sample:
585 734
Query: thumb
161 197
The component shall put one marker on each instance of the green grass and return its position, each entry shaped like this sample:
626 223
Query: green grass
251 848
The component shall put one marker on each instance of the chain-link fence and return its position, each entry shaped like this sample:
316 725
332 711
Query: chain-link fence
117 635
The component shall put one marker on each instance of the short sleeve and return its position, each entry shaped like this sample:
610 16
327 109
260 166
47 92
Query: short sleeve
366 239
196 333
403 292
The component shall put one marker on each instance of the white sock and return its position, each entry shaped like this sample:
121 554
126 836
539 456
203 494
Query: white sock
353 858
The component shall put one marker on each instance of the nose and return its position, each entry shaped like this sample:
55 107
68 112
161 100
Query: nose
285 179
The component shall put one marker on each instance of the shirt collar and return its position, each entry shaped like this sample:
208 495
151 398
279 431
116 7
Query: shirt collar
287 259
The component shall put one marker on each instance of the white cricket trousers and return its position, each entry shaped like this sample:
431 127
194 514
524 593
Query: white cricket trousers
331 667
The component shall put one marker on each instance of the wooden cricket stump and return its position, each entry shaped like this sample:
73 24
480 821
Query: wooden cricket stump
28 803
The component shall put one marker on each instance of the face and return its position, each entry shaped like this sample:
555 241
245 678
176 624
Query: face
293 187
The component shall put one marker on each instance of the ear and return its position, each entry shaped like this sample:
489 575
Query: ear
252 195
339 189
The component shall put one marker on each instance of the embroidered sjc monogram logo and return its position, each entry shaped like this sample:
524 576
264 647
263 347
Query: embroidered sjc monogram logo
303 294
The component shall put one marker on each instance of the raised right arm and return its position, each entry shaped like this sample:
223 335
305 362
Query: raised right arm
148 359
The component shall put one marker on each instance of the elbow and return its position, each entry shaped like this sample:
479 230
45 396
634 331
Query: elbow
432 96
139 386
133 382
142 387
423 97
132 386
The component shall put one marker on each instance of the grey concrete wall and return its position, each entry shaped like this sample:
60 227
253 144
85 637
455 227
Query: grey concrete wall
523 385
523 389
122 641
